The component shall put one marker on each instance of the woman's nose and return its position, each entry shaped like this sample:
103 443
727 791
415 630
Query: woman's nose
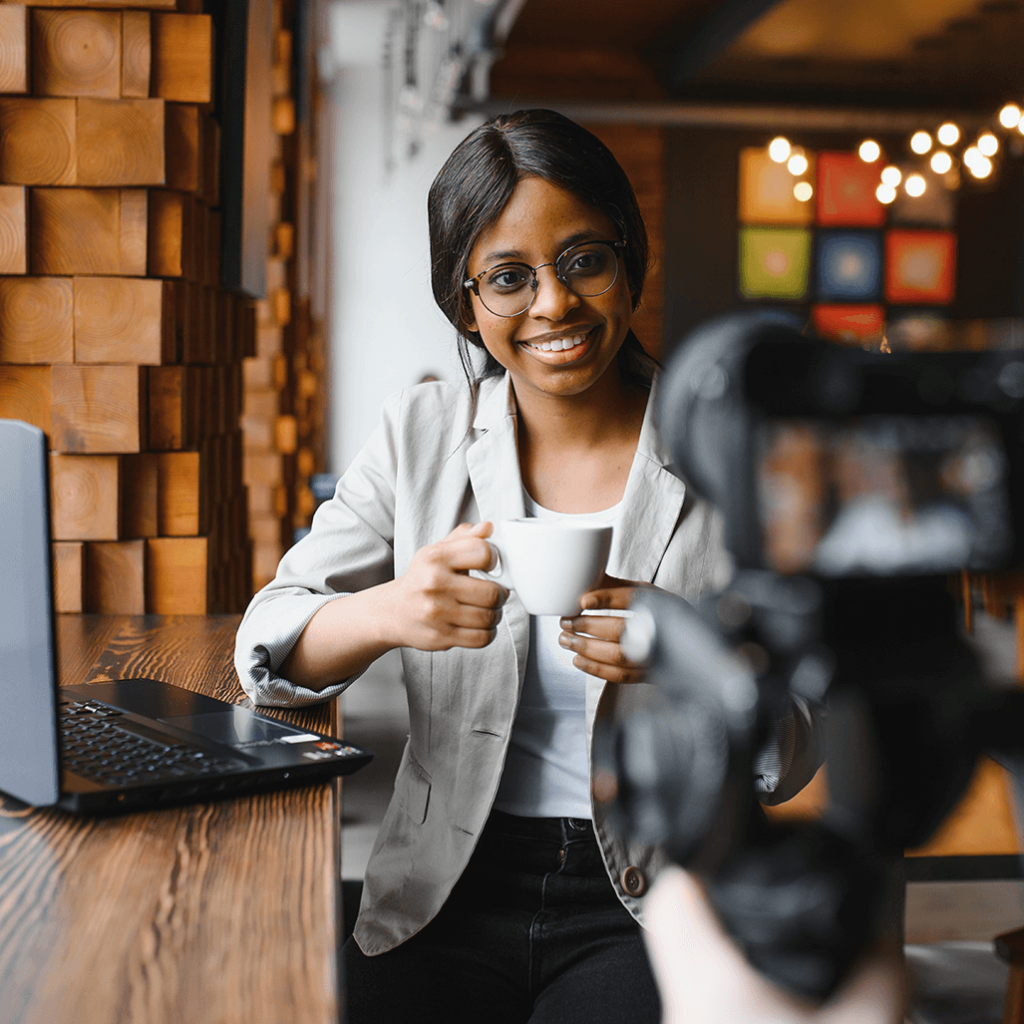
553 299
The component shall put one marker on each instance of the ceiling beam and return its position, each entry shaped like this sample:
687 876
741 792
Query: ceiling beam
764 117
729 22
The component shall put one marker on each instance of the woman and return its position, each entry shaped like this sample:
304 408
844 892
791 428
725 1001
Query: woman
493 891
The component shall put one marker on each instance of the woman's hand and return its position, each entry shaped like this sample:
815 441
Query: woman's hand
438 605
595 638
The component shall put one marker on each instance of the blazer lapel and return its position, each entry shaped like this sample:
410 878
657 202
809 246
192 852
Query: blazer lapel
651 506
493 462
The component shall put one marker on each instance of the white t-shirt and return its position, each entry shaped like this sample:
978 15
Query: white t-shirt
547 774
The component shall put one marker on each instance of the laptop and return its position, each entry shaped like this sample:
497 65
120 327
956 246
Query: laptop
130 744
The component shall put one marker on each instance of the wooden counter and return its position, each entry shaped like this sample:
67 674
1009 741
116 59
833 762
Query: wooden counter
213 913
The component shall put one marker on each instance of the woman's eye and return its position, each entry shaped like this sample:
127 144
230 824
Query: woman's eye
586 262
507 279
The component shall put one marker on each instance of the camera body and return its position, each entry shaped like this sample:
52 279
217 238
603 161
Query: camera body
852 484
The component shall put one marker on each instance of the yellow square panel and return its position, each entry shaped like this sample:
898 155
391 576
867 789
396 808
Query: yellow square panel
766 190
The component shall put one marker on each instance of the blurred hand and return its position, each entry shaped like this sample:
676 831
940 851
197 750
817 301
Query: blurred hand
702 976
438 605
595 638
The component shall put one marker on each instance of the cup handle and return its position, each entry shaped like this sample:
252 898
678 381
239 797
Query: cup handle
499 573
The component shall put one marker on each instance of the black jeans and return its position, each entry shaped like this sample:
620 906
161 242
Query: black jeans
533 932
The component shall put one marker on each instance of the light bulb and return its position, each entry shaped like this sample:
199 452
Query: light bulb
971 155
885 193
988 144
797 164
949 134
779 149
920 142
803 190
869 151
941 161
981 166
891 176
915 185
1009 116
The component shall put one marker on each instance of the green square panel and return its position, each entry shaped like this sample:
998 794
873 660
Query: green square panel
774 263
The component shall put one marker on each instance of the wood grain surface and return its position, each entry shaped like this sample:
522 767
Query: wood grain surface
76 53
98 409
14 48
36 320
26 393
38 144
221 912
13 230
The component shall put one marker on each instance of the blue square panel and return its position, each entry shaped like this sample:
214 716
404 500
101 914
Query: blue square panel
849 265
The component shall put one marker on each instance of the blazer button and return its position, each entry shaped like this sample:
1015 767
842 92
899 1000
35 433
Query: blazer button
633 881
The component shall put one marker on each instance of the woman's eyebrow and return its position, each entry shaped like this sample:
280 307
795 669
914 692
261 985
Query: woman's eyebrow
503 255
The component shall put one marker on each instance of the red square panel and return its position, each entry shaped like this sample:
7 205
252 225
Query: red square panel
846 191
851 323
920 266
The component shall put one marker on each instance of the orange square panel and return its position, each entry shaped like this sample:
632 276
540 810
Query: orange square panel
920 267
848 322
846 192
766 190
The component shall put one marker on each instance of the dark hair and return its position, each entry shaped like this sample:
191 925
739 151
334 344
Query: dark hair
477 181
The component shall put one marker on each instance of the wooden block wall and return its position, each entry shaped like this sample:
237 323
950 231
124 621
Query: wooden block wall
116 337
283 418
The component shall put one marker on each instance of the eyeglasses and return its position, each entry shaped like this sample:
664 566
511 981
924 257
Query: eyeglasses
509 289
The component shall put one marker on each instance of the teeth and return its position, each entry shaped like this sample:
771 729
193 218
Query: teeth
559 344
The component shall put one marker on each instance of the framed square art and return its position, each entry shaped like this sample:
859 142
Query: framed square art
774 263
846 192
855 324
849 266
920 266
766 190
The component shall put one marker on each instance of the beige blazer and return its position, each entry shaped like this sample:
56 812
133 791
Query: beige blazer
432 464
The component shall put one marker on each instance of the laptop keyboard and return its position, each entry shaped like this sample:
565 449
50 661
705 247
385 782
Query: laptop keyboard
95 746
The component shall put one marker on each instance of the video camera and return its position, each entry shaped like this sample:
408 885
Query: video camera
852 484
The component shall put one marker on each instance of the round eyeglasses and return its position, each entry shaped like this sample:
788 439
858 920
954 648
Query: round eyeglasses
587 269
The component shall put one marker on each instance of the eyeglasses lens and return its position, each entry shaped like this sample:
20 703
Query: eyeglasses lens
587 270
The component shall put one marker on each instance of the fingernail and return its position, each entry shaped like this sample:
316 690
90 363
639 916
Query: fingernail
565 623
565 640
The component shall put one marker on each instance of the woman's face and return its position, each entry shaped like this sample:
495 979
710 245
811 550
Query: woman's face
539 222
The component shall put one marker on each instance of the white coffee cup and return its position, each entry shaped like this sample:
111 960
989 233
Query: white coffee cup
550 563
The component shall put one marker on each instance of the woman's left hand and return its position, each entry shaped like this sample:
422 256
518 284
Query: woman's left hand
595 638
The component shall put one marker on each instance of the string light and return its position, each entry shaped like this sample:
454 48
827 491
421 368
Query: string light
885 193
988 144
920 143
803 190
797 164
949 134
869 151
941 161
891 176
915 185
980 165
1009 116
779 149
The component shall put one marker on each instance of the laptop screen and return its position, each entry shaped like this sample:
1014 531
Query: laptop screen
28 729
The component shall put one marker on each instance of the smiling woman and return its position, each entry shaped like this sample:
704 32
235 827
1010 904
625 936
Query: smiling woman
496 891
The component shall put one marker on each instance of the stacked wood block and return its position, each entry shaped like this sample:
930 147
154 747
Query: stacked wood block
283 417
116 338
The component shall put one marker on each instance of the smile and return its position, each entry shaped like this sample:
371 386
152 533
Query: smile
563 348
559 344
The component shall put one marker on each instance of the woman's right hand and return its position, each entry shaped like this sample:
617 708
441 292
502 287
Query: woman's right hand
438 605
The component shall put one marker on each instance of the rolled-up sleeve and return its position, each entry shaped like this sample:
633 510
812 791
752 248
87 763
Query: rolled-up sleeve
350 547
